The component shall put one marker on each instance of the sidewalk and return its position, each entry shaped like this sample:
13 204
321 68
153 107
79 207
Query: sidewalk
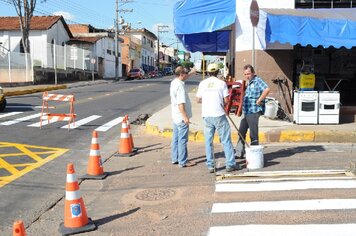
22 90
160 123
269 130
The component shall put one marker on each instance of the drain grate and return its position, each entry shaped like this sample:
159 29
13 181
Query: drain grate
155 194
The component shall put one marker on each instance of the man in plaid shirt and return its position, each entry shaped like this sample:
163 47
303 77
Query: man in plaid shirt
252 108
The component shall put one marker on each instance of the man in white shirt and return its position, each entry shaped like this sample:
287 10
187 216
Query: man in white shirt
213 94
181 113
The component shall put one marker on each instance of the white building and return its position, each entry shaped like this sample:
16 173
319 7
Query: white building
101 44
45 30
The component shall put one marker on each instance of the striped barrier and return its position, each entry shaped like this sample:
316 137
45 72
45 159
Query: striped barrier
54 117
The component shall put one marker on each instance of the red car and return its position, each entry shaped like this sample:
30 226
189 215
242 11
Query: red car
135 74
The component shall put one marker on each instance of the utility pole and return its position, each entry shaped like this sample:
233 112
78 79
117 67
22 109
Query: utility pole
160 29
116 42
117 34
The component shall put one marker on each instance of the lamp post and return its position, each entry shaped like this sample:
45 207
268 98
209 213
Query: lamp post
116 41
164 51
160 29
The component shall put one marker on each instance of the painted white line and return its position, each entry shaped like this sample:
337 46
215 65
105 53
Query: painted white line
282 230
261 180
10 114
294 205
44 122
81 122
109 125
11 122
283 186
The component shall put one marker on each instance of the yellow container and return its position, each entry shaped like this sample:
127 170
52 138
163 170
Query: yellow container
306 81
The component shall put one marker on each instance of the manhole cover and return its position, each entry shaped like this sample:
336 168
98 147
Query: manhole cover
155 194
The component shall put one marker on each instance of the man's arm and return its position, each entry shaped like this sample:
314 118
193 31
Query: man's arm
181 108
263 96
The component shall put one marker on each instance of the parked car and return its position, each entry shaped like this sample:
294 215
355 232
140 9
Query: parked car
152 74
168 71
136 74
2 100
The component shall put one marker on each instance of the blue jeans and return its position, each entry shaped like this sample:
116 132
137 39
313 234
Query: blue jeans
179 152
222 125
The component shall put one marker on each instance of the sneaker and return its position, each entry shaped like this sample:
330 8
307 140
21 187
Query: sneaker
175 163
239 157
232 168
211 169
187 164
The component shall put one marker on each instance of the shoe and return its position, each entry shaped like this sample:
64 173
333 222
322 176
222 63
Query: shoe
232 168
211 169
239 157
175 163
187 164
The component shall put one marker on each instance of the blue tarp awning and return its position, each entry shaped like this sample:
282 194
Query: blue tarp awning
315 27
217 41
197 24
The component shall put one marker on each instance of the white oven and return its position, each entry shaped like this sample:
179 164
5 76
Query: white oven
329 107
305 107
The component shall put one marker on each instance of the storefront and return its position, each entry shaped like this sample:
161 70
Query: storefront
284 39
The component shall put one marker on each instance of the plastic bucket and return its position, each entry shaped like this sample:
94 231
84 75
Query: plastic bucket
271 109
254 157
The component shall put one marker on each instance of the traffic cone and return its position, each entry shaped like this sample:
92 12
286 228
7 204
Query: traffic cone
130 134
125 148
75 215
95 168
18 228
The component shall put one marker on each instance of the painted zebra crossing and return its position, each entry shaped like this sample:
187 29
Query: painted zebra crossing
232 202
12 118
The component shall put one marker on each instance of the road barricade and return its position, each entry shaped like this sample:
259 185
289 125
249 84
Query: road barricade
46 115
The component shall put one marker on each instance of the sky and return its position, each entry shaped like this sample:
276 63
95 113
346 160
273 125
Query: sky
101 13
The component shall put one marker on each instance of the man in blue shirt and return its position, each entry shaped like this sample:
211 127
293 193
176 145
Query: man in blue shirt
252 108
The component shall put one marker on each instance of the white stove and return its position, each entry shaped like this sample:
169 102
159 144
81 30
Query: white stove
329 107
306 107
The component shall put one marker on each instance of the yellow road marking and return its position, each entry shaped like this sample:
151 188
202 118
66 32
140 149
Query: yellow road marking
17 170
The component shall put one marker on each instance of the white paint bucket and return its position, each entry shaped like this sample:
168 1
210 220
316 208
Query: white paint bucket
254 157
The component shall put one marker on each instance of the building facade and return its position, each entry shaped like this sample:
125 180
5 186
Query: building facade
283 61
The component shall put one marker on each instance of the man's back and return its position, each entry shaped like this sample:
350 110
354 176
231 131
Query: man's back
212 91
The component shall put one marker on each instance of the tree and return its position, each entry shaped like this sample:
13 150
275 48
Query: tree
25 9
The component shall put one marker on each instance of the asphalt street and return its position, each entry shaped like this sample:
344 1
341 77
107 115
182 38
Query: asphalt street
146 195
34 160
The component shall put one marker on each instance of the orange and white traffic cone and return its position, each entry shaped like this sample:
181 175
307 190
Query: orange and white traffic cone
125 148
95 168
18 229
130 134
75 215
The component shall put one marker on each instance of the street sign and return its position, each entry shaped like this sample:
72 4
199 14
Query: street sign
254 13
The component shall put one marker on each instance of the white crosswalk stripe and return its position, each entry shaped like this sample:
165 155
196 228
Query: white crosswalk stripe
102 128
10 114
12 122
78 123
109 125
283 230
284 185
232 198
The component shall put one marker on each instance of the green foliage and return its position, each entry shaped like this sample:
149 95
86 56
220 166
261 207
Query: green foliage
186 64
221 65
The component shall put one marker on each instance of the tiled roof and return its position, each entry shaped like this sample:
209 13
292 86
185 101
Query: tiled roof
78 28
37 22
85 39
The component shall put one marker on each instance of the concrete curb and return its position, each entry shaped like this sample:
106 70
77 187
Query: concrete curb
34 90
271 136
